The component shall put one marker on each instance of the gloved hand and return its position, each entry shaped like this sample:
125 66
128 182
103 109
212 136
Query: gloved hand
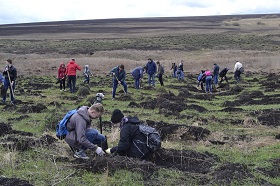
99 151
108 151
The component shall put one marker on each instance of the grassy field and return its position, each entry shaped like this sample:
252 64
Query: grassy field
230 137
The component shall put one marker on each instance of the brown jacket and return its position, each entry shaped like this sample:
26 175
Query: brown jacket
77 125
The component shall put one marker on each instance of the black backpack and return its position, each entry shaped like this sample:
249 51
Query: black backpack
153 141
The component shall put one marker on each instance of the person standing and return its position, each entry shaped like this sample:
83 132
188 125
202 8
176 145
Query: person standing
71 71
180 71
137 74
151 69
81 136
174 67
160 72
216 75
10 76
61 75
119 76
87 73
238 69
223 75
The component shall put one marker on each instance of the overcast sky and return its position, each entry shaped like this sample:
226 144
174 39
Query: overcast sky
26 11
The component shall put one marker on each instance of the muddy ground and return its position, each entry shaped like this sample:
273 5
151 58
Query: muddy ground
203 167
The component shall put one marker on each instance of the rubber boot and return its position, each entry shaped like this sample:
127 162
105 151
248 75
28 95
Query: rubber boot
104 145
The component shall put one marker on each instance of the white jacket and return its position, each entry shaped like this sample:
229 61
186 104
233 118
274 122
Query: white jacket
237 66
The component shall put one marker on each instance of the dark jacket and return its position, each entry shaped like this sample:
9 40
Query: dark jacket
132 141
151 67
119 74
216 70
223 72
12 72
77 125
137 72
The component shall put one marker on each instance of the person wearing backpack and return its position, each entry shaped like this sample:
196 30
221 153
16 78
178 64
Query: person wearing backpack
132 143
160 72
81 136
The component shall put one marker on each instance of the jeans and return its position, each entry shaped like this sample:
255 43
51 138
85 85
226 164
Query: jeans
72 83
216 79
237 74
94 136
115 85
208 82
180 75
62 84
137 83
151 79
6 86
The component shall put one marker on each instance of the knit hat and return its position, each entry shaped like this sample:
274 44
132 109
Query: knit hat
117 116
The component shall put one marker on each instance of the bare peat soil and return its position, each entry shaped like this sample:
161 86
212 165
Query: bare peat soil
203 167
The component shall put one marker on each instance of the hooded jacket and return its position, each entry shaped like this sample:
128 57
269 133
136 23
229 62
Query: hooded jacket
72 67
77 126
131 142
61 71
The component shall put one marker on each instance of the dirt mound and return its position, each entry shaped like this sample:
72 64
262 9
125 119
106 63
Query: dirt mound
177 132
268 117
125 97
229 172
32 109
197 108
83 91
183 160
272 171
13 182
232 109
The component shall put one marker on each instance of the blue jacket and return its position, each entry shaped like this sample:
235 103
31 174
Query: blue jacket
216 70
137 73
120 75
151 68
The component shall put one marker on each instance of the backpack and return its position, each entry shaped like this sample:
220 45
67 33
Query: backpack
61 127
199 76
153 137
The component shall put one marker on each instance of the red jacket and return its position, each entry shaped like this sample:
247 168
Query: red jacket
71 68
61 71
